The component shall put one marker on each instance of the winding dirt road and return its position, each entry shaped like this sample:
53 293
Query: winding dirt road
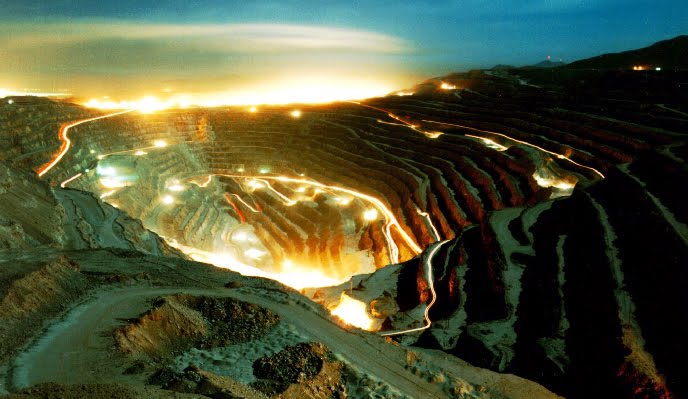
75 349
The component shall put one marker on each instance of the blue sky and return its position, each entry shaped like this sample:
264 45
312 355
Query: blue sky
72 44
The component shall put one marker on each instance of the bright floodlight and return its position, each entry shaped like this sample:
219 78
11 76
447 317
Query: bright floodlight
140 152
447 86
344 201
370 214
255 184
240 236
10 101
160 143
254 253
176 187
167 199
353 312
296 113
253 110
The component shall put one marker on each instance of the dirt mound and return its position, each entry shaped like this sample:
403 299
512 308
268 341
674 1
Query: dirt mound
180 322
30 299
198 381
301 370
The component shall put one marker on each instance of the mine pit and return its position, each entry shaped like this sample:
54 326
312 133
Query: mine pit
527 234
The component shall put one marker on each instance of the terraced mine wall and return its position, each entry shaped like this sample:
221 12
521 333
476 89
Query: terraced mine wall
577 293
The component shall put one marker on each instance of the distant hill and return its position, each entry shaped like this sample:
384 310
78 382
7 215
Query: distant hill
667 54
547 64
502 67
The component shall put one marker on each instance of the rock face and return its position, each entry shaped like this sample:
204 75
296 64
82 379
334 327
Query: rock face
33 214
573 293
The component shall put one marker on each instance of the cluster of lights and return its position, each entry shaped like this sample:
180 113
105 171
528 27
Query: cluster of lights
293 275
370 214
644 68
447 86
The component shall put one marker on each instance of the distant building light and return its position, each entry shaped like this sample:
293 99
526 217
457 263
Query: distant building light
10 101
658 69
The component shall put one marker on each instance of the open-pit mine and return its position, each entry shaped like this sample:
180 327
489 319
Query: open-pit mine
488 234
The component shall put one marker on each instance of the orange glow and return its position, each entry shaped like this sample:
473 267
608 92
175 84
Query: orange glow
447 86
293 275
66 142
306 90
296 113
146 105
390 220
353 312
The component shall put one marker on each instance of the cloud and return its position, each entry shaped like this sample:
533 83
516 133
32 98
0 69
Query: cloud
269 38
100 55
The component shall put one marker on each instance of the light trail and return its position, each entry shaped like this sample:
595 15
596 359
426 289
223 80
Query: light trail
432 226
204 184
431 285
431 135
236 208
287 201
107 194
66 142
254 210
560 156
71 179
489 143
391 220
